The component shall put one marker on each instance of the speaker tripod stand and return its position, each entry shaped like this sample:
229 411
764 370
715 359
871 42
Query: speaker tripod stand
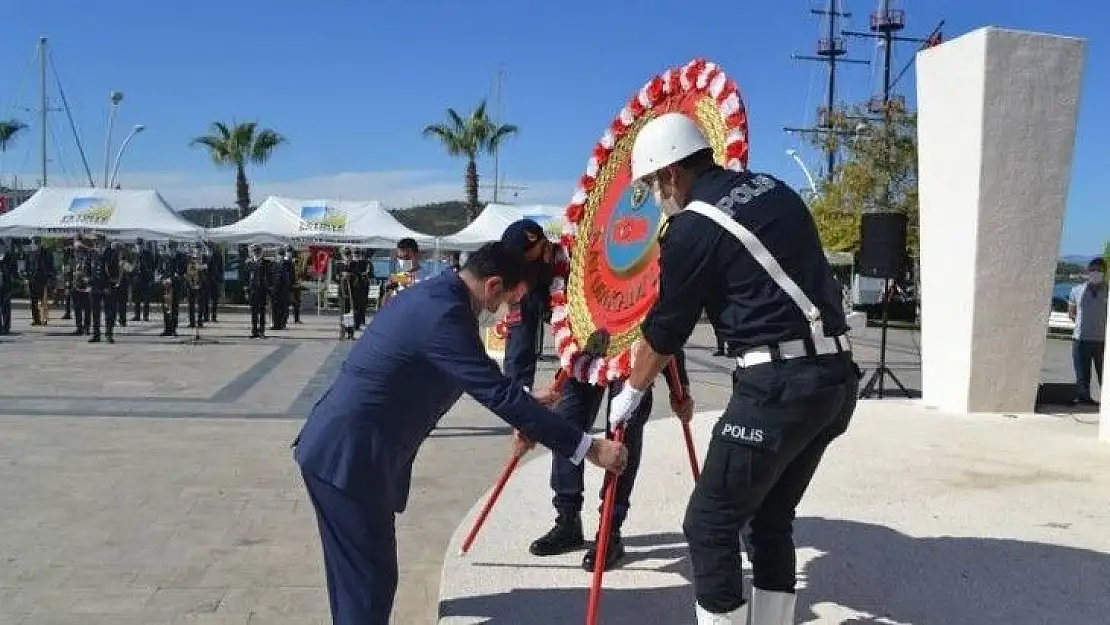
874 386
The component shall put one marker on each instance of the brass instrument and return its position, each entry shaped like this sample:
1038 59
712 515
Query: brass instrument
80 280
167 295
300 269
192 274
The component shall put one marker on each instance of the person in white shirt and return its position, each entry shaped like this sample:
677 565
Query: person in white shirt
1087 308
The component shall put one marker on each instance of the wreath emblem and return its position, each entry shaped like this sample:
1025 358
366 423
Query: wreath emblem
611 240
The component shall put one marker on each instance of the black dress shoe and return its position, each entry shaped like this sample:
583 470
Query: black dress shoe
565 537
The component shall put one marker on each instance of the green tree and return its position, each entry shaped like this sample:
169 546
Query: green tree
237 145
878 172
470 137
1106 251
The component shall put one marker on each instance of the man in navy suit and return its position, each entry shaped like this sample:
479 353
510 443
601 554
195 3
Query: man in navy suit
413 362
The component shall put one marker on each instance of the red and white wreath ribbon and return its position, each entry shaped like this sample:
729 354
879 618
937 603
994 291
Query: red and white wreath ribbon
698 76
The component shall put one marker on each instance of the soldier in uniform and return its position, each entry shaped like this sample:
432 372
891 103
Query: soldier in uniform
344 272
81 291
104 284
214 282
8 271
68 255
256 282
142 280
123 291
174 265
195 285
39 272
773 297
300 274
364 272
283 288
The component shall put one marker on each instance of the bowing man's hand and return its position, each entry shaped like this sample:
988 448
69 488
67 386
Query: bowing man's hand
521 444
683 408
609 455
546 396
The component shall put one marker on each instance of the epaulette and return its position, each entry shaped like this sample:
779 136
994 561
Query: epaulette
663 230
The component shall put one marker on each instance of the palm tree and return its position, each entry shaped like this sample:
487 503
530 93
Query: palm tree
236 146
477 134
8 131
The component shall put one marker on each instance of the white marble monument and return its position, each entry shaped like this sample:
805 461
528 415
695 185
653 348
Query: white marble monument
996 129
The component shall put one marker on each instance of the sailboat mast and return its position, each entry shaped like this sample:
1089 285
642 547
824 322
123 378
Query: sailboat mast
496 156
43 108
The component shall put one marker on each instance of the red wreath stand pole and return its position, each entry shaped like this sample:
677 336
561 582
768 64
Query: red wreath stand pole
510 466
607 507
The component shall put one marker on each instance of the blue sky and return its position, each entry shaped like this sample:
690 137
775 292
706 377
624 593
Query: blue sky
352 83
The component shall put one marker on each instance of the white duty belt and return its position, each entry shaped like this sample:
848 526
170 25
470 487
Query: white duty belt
790 349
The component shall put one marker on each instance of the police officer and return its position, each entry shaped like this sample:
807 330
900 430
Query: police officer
256 280
8 270
103 285
744 247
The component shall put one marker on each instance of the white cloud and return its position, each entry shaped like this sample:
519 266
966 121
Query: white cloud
394 189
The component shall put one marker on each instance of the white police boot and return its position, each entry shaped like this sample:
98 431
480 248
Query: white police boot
772 608
739 616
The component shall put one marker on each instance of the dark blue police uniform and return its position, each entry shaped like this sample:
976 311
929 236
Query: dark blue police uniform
793 392
412 363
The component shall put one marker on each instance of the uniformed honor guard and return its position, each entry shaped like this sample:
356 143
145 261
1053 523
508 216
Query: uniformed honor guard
174 265
103 284
744 247
39 272
282 288
256 279
8 271
214 282
300 273
82 289
195 282
123 290
68 254
414 361
142 280
344 273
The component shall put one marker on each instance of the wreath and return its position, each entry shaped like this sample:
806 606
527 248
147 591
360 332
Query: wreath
700 89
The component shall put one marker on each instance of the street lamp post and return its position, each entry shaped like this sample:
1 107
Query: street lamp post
119 155
805 170
115 98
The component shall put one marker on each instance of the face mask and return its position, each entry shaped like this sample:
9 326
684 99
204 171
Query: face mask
667 205
404 265
1095 277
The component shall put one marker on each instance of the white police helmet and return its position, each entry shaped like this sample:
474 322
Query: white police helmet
664 141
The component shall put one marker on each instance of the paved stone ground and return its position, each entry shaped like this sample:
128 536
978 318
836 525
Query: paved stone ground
915 518
150 481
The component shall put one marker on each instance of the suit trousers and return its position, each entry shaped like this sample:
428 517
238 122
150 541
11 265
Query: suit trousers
359 538
580 404
257 300
142 288
103 304
763 454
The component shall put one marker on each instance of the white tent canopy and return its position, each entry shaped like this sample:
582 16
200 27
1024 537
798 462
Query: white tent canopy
118 214
378 228
493 220
280 220
272 223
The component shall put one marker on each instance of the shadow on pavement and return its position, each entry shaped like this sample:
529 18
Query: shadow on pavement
861 574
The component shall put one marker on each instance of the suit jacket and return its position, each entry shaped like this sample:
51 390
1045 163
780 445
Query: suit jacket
413 362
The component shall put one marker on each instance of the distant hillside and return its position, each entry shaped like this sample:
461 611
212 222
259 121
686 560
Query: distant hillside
437 219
